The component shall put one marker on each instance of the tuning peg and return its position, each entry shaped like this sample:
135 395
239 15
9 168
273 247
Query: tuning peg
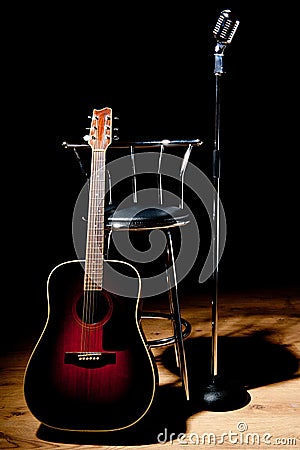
116 136
92 117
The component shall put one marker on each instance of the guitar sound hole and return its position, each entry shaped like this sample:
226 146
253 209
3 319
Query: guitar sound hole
93 307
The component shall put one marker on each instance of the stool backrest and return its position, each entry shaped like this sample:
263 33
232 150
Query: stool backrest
159 151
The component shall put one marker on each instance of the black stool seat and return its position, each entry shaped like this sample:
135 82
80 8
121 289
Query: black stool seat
137 217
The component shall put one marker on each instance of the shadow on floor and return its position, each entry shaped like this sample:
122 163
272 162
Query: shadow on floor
250 361
254 360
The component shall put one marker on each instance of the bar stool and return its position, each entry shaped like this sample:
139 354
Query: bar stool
140 217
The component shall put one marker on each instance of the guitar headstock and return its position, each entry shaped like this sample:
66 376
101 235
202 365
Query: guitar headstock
100 136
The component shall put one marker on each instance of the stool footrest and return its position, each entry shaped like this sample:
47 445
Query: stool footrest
170 339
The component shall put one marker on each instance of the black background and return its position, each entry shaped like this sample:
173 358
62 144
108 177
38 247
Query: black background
153 64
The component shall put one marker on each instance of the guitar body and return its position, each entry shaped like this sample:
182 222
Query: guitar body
91 369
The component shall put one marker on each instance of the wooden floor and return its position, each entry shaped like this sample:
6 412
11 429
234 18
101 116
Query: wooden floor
259 347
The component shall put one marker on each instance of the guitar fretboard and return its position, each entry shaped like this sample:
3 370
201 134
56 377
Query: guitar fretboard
95 231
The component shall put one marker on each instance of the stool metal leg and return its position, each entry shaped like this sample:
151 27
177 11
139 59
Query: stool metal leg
108 239
177 323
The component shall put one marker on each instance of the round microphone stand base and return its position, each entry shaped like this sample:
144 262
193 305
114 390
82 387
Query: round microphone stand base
221 394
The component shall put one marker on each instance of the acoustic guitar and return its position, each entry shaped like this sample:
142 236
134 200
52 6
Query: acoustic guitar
91 368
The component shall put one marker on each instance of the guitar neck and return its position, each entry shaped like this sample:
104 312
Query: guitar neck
100 139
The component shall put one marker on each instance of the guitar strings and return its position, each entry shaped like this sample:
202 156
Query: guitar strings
94 248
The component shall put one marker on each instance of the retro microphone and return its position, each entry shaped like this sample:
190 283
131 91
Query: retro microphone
223 32
220 394
226 27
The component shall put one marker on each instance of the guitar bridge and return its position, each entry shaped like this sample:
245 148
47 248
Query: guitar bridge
90 360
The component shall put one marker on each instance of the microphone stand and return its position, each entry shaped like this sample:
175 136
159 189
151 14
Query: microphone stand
220 394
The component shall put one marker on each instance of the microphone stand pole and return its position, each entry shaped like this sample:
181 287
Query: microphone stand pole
216 216
220 394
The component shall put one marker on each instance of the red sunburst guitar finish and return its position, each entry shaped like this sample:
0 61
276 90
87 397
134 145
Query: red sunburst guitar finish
91 369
